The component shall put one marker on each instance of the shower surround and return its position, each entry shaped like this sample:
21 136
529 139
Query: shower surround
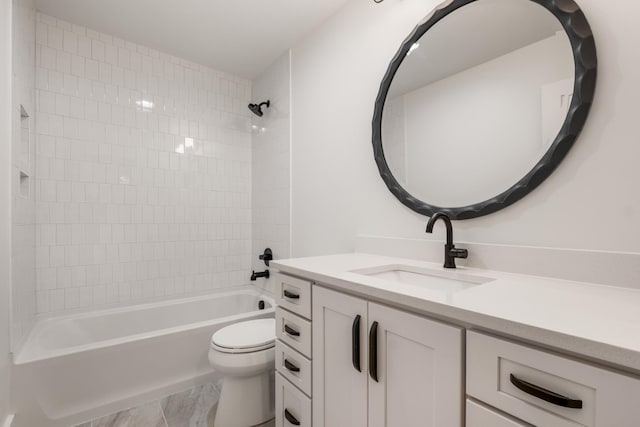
143 172
23 159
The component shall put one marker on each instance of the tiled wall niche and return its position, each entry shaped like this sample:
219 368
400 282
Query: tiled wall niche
23 237
144 172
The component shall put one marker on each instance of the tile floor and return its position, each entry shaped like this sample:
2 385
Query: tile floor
190 408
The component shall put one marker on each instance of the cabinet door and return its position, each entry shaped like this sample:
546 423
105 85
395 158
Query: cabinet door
339 389
419 371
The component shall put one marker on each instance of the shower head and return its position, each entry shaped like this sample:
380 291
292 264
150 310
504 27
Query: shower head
257 108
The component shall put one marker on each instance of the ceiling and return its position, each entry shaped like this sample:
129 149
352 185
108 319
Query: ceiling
242 37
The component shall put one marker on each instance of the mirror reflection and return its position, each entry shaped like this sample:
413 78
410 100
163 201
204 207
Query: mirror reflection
477 101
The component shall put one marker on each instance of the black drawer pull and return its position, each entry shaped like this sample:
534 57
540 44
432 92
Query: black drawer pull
289 330
290 366
293 420
291 295
544 394
373 351
355 343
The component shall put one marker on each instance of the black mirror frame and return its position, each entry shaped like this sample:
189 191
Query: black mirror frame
584 53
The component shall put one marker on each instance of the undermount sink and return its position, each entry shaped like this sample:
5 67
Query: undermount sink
444 281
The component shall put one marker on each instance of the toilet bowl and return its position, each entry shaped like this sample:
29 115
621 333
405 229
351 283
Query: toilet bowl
244 354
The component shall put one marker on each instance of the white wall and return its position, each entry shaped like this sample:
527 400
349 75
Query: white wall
23 277
144 172
591 202
5 201
270 200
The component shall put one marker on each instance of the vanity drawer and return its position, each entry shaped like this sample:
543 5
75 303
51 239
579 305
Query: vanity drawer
520 380
291 405
294 294
294 367
481 416
294 331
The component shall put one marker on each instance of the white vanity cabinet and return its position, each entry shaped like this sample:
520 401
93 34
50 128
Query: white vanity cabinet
377 359
479 415
375 366
545 389
293 352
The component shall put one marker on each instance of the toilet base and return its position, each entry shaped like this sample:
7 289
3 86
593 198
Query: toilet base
246 401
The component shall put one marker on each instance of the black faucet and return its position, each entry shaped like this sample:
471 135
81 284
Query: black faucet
255 275
450 251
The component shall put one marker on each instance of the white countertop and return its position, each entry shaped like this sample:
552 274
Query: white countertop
597 322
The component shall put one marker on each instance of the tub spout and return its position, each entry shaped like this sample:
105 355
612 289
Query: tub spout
255 275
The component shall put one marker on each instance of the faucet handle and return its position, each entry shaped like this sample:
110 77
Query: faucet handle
266 256
458 253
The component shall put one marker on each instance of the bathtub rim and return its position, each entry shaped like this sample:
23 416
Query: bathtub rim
24 356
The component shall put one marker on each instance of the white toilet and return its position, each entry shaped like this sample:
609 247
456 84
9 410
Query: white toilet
244 354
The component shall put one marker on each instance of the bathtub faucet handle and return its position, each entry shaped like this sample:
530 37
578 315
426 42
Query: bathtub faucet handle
266 256
255 275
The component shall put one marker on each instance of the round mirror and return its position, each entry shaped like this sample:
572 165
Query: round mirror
482 102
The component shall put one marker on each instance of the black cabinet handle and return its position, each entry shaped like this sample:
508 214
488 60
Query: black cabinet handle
373 351
544 394
293 420
355 343
290 366
291 295
289 330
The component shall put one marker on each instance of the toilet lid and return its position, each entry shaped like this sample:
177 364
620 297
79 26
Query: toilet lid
252 335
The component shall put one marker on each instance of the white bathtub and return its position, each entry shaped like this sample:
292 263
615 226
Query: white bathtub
78 367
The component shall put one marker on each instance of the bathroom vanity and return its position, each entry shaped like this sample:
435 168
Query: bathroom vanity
480 104
368 340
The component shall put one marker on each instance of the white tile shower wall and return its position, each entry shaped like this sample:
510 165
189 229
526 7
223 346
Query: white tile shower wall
23 274
144 172
5 206
271 171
